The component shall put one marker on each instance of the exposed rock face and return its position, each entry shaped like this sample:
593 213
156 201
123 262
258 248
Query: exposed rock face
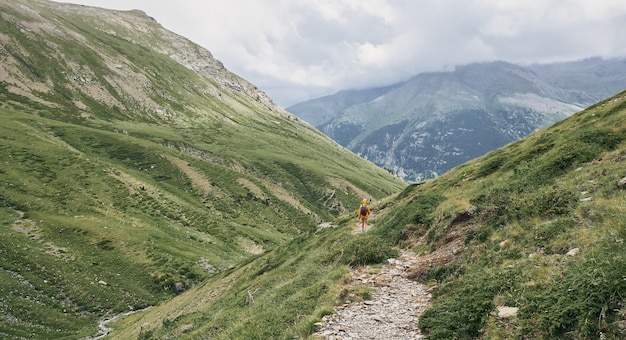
433 122
392 313
116 70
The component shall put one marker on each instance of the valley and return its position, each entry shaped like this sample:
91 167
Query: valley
147 192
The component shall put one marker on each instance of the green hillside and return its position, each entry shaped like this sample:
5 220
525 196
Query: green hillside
139 175
135 167
537 225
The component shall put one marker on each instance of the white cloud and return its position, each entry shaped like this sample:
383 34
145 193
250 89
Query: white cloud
370 54
300 49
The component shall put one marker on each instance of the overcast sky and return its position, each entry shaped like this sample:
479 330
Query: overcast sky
296 50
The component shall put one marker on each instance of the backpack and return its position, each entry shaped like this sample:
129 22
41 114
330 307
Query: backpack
363 210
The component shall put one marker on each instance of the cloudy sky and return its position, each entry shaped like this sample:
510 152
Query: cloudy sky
296 50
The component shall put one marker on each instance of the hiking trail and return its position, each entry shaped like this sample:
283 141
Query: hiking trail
392 313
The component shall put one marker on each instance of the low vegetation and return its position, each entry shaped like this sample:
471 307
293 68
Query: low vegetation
97 222
495 232
136 168
541 230
203 214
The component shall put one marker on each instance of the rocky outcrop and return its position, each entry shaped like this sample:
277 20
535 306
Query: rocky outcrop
115 68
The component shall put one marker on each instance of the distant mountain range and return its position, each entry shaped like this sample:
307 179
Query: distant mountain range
427 125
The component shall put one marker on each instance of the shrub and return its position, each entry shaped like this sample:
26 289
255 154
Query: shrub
546 201
443 272
604 139
492 162
366 249
463 310
551 230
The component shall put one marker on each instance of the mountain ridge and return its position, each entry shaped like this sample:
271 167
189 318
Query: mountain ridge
233 221
127 27
135 166
404 129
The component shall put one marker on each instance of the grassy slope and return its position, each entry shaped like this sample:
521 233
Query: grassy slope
278 295
127 178
493 232
81 205
115 202
510 218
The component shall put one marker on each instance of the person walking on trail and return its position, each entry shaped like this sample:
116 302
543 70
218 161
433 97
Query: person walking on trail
364 214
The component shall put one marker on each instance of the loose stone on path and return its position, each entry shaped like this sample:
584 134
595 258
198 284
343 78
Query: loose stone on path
392 313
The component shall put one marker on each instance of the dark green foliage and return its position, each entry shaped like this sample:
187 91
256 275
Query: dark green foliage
586 299
423 207
603 139
524 196
548 231
415 212
491 163
542 161
463 306
545 201
441 273
364 249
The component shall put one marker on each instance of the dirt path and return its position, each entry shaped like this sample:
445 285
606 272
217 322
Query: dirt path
392 313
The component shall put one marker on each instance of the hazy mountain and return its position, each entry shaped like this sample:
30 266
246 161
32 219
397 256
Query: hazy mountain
433 122
135 166
322 110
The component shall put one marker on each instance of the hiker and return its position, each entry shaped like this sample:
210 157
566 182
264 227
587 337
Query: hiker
364 214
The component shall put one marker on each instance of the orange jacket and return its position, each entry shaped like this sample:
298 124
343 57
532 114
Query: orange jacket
367 215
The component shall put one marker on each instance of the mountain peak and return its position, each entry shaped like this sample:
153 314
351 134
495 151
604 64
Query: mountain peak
56 27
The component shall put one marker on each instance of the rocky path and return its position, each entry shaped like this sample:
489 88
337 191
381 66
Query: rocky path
393 311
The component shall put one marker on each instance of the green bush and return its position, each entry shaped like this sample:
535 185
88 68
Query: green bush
548 231
461 311
602 138
439 274
546 201
491 163
366 249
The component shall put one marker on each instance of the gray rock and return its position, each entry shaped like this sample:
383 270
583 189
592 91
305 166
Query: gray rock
392 313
